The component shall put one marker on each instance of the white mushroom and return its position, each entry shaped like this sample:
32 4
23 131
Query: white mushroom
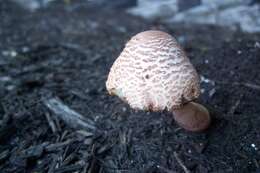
154 73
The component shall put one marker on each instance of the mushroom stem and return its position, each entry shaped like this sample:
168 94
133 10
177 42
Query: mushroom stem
192 117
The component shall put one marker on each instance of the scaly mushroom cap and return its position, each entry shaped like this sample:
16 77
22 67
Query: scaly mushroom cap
153 73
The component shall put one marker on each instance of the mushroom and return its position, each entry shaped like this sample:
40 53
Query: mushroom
153 73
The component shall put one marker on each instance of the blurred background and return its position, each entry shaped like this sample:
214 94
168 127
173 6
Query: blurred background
235 14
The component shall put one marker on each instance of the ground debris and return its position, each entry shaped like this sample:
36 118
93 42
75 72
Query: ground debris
34 151
4 154
69 116
69 168
58 145
185 169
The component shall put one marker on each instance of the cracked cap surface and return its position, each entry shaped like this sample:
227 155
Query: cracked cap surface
153 73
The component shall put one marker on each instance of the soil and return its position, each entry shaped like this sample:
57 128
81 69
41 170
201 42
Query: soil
65 51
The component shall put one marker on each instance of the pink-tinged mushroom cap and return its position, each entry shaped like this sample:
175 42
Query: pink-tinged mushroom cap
153 73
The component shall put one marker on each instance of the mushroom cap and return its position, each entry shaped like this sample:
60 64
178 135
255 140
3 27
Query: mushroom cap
153 73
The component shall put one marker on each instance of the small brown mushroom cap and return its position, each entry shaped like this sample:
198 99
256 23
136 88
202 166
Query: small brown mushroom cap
153 73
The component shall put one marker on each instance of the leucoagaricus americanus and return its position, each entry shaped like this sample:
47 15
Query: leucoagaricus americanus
153 73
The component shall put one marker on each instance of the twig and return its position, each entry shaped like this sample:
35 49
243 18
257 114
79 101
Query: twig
256 163
69 116
185 169
74 47
69 168
53 163
245 84
59 145
85 168
4 154
250 85
51 122
235 106
165 169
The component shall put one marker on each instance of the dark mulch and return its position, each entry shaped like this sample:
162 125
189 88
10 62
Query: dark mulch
65 52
